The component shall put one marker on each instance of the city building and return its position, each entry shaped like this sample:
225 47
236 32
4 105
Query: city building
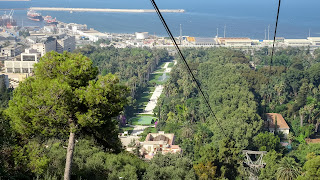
275 122
57 42
25 64
159 143
10 51
4 79
4 36
45 45
15 78
50 29
67 43
76 27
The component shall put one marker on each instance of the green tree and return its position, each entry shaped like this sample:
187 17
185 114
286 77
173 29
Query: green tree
205 171
271 159
65 96
288 169
311 169
267 141
169 166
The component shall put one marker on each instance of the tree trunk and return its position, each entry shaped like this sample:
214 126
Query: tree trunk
301 120
317 127
67 170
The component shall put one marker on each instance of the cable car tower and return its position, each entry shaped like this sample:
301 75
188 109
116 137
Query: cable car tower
254 165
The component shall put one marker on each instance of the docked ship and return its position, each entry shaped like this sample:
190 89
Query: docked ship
34 16
49 20
7 20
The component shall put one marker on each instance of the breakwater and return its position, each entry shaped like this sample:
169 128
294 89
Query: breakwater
106 10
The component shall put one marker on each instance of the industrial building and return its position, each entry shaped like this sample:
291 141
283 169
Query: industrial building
198 41
233 41
315 41
297 42
142 35
93 35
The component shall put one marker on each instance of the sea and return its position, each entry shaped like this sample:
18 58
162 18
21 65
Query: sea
202 18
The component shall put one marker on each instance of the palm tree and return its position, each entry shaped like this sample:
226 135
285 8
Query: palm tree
279 88
290 137
288 169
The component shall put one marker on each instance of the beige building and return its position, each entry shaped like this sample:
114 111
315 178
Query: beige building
10 51
275 122
59 43
314 40
297 42
24 64
46 45
13 79
234 42
159 143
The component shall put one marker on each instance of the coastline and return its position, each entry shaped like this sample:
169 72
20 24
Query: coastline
106 10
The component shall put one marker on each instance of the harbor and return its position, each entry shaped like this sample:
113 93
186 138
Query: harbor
106 10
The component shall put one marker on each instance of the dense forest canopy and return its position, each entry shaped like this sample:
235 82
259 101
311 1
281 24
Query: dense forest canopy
133 66
240 95
241 87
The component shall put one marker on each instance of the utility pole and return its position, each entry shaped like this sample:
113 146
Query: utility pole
268 32
224 33
265 34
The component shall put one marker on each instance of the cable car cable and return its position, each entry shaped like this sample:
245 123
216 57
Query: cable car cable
186 65
275 34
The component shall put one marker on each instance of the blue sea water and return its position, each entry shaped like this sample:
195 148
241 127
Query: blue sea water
242 18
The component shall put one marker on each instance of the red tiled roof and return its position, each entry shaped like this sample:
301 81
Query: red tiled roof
313 141
281 123
175 147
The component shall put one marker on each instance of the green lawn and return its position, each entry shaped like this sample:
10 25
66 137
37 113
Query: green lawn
159 70
160 67
142 120
157 78
171 65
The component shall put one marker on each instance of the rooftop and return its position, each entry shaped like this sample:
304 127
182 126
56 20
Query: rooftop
161 137
275 117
